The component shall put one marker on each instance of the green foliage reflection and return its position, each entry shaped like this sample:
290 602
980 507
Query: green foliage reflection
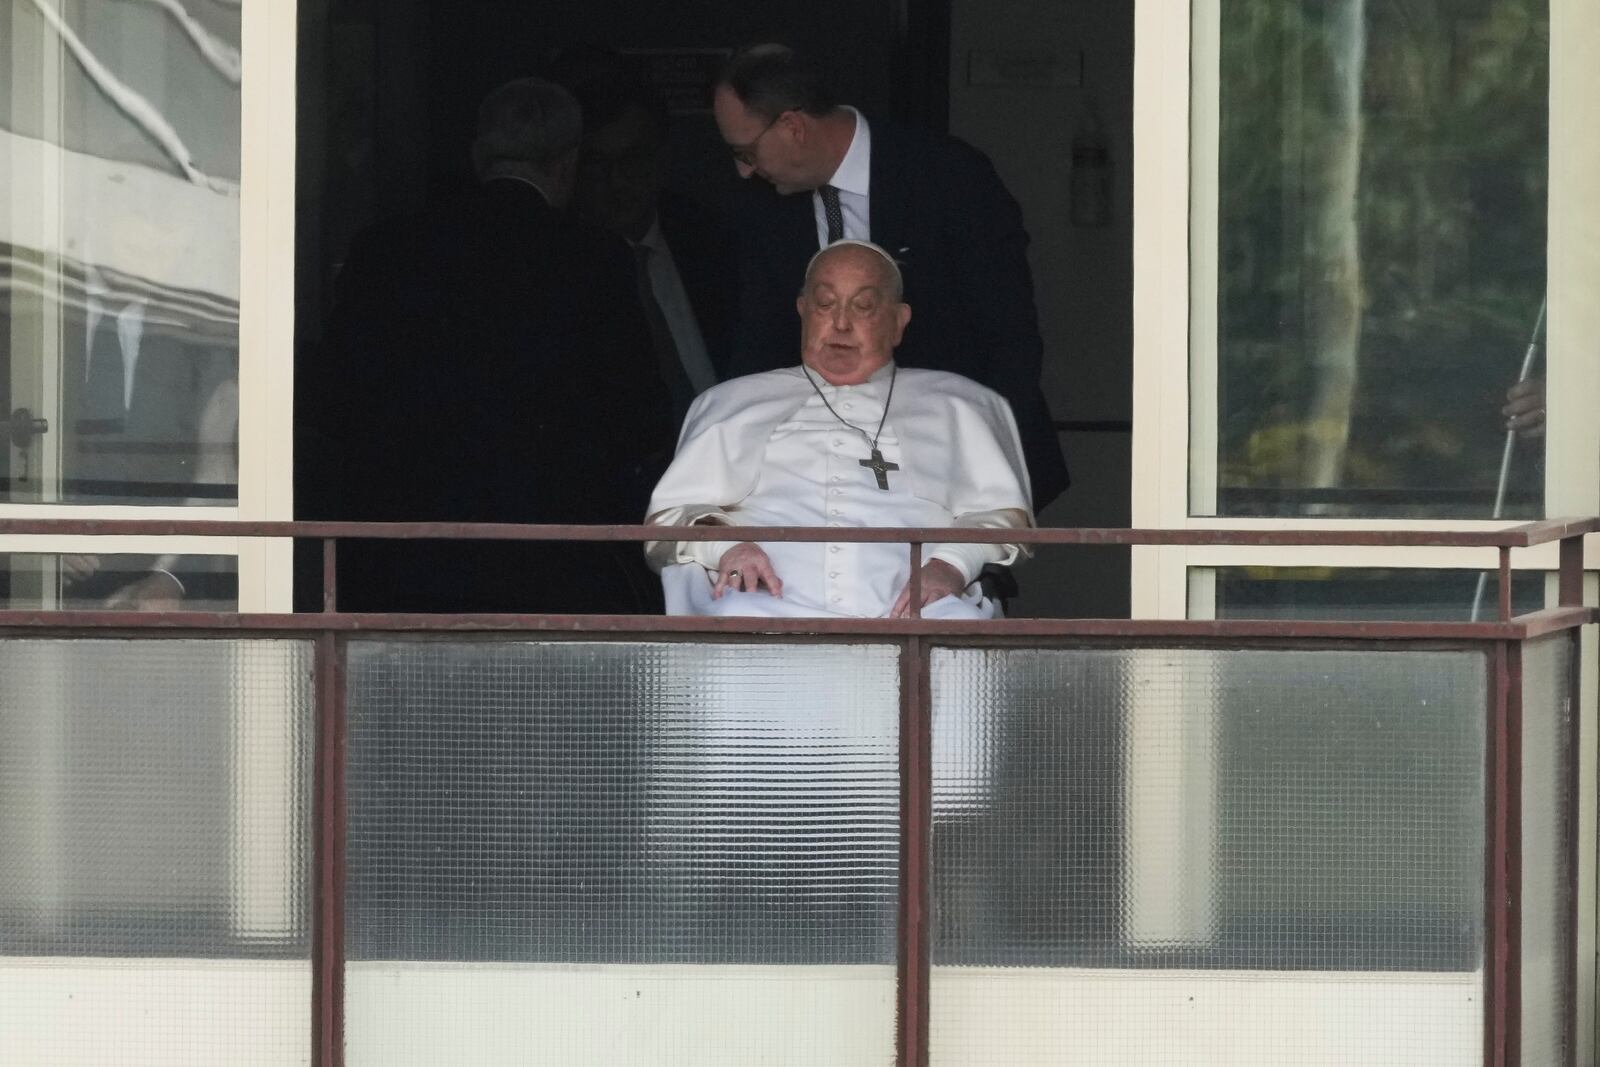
1383 174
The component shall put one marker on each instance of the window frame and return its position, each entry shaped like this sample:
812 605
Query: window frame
268 44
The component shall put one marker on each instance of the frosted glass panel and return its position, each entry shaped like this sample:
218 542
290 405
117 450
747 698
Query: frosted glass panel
1175 855
1547 934
154 851
622 853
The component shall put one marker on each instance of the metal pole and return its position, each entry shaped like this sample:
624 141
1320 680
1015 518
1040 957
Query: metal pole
1510 445
916 805
327 923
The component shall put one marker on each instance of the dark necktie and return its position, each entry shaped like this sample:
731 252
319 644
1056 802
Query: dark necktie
668 359
832 212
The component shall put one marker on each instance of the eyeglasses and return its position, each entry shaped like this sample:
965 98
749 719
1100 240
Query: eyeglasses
746 153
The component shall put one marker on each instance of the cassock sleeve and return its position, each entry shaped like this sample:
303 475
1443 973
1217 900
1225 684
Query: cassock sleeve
662 554
969 559
990 489
701 473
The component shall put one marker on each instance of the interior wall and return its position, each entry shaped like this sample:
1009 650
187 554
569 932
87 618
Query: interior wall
1015 67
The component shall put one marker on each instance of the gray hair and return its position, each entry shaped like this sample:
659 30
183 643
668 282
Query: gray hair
525 123
897 282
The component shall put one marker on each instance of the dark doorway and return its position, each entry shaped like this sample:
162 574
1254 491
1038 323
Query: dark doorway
389 88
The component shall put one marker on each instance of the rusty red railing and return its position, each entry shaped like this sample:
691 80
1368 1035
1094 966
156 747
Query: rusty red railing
331 628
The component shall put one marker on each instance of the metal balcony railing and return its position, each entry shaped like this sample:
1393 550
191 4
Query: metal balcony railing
401 838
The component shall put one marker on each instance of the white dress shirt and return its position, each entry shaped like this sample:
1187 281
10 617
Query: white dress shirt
130 330
853 179
667 285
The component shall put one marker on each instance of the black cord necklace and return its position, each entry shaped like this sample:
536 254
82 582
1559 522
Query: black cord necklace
875 463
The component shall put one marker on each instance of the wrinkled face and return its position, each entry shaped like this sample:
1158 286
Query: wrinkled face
850 321
773 150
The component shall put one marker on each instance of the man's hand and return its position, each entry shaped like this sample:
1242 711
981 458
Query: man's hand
77 568
745 568
1524 410
156 591
939 579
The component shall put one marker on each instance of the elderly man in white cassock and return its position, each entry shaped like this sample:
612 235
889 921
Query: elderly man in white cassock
845 439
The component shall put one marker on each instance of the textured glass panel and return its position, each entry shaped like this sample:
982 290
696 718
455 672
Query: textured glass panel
154 851
73 582
119 252
1547 934
1393 593
1184 856
635 853
1378 254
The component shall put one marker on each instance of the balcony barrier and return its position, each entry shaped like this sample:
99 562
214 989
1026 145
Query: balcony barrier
617 840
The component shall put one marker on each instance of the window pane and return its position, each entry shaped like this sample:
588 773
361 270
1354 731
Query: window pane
1381 221
119 252
1375 594
123 581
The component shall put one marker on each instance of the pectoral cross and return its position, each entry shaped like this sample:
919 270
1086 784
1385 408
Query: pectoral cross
881 467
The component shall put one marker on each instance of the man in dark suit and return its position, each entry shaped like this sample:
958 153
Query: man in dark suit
489 361
933 201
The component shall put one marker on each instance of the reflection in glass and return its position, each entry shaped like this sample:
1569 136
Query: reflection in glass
1371 594
1381 217
118 581
119 251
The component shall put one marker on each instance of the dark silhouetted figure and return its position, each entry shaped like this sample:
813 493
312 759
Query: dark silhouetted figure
685 259
489 361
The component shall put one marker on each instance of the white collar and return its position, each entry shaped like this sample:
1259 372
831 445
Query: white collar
855 169
653 238
875 382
